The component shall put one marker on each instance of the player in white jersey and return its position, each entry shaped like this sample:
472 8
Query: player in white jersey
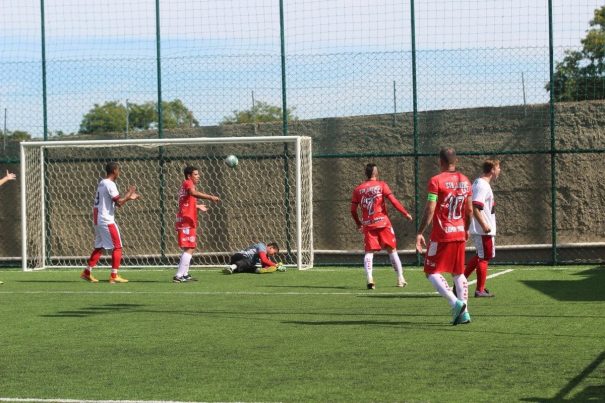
107 234
483 226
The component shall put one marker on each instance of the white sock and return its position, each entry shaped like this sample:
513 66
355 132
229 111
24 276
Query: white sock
184 264
368 262
462 288
396 263
443 288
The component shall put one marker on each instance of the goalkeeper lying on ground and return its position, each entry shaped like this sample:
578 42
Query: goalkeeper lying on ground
248 260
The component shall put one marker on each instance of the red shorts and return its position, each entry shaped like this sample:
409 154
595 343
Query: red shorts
445 257
187 238
379 238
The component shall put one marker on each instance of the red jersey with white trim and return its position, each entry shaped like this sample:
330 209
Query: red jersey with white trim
104 208
371 196
186 217
452 190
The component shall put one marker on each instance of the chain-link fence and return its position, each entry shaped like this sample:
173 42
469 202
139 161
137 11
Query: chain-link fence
384 81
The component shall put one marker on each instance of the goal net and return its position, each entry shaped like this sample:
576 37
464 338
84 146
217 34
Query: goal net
267 197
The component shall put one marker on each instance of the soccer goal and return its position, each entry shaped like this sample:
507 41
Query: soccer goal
267 197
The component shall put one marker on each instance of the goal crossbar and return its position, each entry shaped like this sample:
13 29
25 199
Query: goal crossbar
268 197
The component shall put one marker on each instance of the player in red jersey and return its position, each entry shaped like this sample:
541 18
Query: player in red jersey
450 210
186 220
375 224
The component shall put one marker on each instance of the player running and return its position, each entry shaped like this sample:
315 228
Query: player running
375 224
483 226
107 234
449 209
186 220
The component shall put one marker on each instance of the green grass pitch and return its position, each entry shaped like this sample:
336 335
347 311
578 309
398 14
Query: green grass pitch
315 335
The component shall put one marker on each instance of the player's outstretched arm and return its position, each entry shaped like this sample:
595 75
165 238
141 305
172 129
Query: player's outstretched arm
8 177
131 194
399 207
200 195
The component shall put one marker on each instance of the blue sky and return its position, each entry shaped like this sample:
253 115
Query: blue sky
342 56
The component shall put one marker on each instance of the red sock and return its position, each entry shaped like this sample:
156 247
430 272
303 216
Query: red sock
94 258
471 266
116 258
481 274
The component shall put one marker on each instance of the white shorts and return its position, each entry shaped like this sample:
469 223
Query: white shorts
485 246
107 236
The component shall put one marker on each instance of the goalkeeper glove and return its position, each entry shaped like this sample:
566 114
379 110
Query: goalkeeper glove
281 267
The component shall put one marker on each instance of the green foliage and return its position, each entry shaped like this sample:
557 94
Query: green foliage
581 74
259 113
109 117
17 135
113 117
312 336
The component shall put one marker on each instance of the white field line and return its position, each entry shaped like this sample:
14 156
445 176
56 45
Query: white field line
215 293
290 293
24 400
494 275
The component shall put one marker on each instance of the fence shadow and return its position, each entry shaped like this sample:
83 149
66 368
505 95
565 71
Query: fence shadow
590 288
590 393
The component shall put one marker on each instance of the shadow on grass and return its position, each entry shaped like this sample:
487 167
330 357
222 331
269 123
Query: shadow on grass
403 295
590 288
364 323
590 393
95 310
310 286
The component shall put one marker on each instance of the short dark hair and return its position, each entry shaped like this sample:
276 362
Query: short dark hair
488 165
273 245
447 155
189 170
370 170
111 167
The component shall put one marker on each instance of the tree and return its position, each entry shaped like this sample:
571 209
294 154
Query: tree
581 74
260 112
109 117
113 117
17 135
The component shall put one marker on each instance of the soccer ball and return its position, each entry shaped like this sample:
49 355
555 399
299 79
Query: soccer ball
231 161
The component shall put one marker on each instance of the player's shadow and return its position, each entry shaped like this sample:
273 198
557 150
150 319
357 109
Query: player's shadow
402 295
590 393
589 288
48 281
329 287
362 323
95 310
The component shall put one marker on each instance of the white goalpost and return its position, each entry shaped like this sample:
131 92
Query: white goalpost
266 198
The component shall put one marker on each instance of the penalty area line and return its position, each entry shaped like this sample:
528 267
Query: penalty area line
500 273
364 293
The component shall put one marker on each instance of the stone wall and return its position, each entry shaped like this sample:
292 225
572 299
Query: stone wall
517 136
